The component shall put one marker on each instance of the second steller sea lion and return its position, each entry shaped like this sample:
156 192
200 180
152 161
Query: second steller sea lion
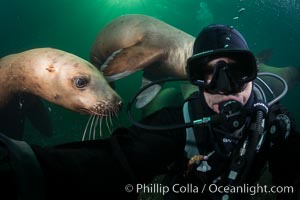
138 42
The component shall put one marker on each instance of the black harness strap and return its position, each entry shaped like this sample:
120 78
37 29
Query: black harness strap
196 112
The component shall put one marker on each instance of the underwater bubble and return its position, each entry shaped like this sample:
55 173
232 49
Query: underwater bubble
241 10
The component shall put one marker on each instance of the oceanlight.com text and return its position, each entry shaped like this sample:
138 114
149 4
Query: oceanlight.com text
250 189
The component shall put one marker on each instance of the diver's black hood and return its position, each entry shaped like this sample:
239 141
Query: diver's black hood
218 40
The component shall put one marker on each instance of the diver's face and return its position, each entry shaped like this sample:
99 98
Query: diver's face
213 100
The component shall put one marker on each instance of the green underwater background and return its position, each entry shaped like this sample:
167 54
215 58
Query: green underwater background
72 26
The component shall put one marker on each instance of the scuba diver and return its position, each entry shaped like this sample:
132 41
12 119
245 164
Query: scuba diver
215 146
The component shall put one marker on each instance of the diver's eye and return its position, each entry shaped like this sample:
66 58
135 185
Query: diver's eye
81 82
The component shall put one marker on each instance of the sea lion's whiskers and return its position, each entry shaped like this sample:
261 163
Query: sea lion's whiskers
110 120
100 122
86 126
113 119
95 127
114 114
103 110
91 126
108 127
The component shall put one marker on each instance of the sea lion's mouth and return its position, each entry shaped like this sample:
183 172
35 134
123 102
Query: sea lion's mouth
101 110
84 111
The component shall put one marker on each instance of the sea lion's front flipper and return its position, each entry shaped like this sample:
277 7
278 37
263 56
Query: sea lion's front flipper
124 62
169 96
147 95
38 115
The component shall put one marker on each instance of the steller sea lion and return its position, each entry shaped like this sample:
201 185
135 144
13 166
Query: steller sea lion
138 42
56 76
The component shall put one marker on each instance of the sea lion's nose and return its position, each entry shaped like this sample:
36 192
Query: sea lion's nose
120 104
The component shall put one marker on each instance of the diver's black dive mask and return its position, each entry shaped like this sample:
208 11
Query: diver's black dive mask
227 78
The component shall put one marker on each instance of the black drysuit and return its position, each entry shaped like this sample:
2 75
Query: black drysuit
94 169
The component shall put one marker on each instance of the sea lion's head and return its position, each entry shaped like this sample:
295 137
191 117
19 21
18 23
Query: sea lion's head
73 83
88 92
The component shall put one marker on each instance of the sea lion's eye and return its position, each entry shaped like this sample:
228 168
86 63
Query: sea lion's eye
81 82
